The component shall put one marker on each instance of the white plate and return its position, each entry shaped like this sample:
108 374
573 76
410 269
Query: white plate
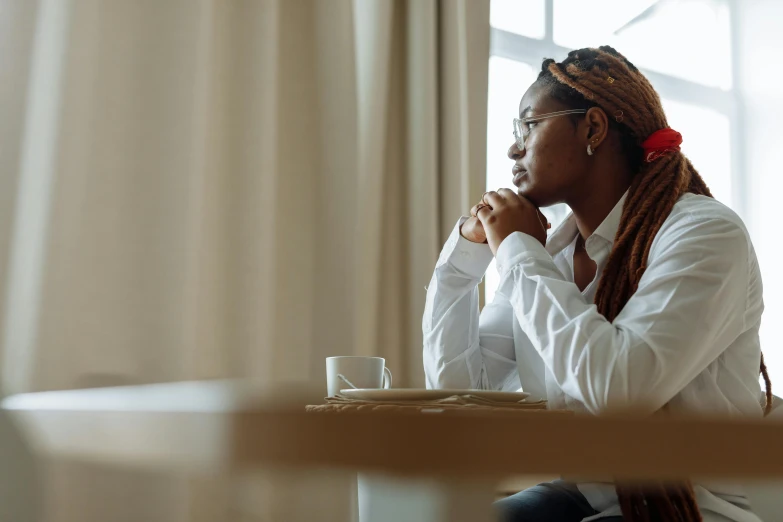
420 394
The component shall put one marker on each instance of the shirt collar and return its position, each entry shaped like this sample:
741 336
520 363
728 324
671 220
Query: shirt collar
567 230
608 227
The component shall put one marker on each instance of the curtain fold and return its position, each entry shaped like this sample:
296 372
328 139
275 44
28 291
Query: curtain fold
203 189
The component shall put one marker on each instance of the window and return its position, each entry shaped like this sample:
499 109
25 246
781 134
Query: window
697 45
691 69
524 17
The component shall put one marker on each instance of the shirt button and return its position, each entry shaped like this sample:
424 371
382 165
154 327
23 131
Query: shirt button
464 254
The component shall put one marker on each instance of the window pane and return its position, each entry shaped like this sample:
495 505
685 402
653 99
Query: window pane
508 81
525 17
690 39
706 141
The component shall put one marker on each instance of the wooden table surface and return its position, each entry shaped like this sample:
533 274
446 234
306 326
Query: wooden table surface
223 425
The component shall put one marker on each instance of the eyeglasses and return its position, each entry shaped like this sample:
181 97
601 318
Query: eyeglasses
522 126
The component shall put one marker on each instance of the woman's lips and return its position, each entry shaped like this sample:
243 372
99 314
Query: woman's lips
518 173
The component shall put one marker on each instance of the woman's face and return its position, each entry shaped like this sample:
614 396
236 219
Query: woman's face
553 164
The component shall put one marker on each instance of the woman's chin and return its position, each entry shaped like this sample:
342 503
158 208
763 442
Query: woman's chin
526 190
533 194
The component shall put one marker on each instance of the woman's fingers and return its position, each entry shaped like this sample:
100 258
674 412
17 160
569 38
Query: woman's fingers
484 213
475 209
493 199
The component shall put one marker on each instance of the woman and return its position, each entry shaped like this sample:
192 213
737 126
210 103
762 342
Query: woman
648 296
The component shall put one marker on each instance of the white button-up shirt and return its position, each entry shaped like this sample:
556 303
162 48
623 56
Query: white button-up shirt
688 337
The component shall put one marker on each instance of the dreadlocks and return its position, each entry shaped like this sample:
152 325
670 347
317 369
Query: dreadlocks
604 78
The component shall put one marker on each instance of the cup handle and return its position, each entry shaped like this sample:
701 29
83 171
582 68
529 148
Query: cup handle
387 378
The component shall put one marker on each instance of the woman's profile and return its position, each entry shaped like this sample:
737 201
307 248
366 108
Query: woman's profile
648 296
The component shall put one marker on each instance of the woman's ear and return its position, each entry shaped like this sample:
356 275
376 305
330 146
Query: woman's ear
597 127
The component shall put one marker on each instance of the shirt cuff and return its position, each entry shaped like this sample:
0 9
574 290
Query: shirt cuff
517 247
466 256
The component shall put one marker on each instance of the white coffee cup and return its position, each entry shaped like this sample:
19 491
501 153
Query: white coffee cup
362 372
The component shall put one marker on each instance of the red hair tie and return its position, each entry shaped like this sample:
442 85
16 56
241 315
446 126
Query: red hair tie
661 142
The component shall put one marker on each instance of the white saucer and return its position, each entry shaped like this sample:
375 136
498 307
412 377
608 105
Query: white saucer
420 394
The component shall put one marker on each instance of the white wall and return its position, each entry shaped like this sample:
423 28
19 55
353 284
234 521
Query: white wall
760 73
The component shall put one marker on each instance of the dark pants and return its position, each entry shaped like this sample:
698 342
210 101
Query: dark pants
557 501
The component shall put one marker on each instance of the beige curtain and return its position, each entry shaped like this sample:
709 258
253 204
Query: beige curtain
201 189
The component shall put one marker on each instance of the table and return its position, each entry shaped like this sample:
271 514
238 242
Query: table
229 427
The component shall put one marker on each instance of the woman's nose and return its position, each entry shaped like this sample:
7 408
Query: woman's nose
513 152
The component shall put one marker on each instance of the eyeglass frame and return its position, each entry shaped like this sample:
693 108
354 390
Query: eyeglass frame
519 134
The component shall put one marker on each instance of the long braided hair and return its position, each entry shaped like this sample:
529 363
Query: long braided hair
604 78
